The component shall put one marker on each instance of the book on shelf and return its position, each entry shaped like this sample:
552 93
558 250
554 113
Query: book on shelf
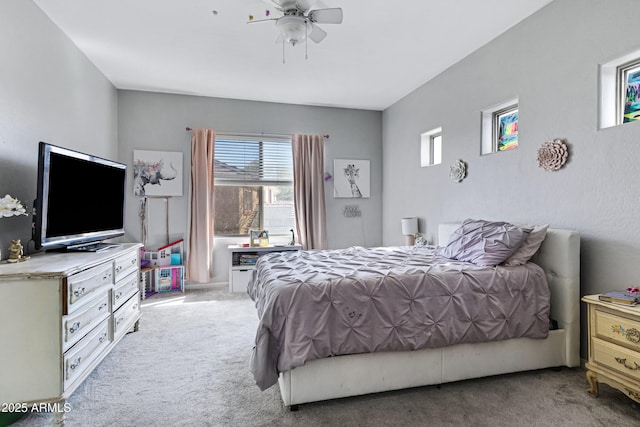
620 297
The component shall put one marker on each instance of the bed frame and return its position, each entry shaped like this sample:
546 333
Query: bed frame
357 374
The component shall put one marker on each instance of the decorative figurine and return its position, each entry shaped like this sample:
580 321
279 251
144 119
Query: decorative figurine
293 238
16 252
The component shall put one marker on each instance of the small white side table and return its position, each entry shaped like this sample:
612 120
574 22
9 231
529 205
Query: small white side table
242 263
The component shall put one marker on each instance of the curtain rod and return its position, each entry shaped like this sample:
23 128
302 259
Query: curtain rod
272 135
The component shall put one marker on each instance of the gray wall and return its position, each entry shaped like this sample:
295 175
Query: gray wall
550 61
49 91
155 121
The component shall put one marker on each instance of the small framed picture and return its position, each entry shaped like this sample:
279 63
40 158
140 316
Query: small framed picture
351 179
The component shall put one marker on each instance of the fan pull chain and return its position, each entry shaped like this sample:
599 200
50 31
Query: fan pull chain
283 61
306 44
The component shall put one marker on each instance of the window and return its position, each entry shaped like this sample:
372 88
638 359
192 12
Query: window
500 127
619 80
431 148
628 83
254 186
505 128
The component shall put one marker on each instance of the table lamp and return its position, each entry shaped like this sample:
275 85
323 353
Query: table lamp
409 229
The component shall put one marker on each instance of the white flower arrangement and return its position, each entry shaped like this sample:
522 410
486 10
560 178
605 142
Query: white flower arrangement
10 206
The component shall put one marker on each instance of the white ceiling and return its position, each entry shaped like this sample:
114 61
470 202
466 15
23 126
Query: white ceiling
382 51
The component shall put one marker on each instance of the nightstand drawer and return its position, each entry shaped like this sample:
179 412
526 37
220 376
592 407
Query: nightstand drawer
620 359
614 328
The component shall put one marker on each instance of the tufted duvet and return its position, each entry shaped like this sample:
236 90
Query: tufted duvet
317 304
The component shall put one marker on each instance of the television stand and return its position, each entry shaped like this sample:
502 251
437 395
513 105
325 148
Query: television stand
91 247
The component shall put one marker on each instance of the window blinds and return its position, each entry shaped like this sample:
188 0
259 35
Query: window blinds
249 161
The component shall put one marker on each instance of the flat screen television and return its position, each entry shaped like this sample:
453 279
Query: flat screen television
80 200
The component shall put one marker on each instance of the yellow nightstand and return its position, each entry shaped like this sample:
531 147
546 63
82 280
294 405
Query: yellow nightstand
614 346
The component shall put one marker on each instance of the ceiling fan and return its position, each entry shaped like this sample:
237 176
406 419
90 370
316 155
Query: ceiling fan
298 22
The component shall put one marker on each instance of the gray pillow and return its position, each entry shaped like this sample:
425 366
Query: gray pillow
486 243
529 247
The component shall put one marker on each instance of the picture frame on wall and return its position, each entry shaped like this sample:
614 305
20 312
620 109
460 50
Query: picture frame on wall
351 179
157 173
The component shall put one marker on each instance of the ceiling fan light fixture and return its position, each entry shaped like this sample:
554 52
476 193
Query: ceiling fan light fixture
293 29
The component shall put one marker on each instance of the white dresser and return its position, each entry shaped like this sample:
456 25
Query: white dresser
60 315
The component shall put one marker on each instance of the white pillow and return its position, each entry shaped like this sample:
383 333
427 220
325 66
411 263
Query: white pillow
529 247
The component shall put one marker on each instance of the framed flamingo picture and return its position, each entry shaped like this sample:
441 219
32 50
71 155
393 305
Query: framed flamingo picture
157 173
351 179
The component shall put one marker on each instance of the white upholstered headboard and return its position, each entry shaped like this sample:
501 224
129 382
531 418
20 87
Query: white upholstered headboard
559 257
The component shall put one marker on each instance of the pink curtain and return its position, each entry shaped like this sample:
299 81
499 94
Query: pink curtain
200 259
308 190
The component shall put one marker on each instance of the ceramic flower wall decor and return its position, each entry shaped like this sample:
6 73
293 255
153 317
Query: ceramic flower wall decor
552 155
458 171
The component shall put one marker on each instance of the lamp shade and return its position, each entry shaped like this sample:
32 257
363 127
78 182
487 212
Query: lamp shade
409 226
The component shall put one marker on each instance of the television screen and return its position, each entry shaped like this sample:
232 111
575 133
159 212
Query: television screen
81 198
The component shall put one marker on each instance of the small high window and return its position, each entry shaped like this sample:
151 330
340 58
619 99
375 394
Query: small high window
619 100
500 127
431 147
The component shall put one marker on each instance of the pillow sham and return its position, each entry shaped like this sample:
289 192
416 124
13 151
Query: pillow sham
486 243
529 247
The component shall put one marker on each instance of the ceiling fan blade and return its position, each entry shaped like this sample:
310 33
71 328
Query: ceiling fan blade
326 16
274 3
317 34
304 5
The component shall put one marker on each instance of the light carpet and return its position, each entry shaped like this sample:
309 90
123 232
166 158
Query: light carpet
188 366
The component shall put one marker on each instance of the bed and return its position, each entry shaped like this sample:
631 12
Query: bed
369 371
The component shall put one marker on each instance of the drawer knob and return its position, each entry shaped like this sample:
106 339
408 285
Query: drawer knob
103 305
103 337
78 292
118 295
633 335
74 327
623 362
118 269
76 363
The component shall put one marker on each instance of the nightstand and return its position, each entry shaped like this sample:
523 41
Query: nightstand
243 261
614 346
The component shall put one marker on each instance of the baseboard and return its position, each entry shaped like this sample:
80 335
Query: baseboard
194 285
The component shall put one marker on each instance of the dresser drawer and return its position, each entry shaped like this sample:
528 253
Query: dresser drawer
617 329
81 356
125 288
81 286
125 316
126 264
620 359
77 324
